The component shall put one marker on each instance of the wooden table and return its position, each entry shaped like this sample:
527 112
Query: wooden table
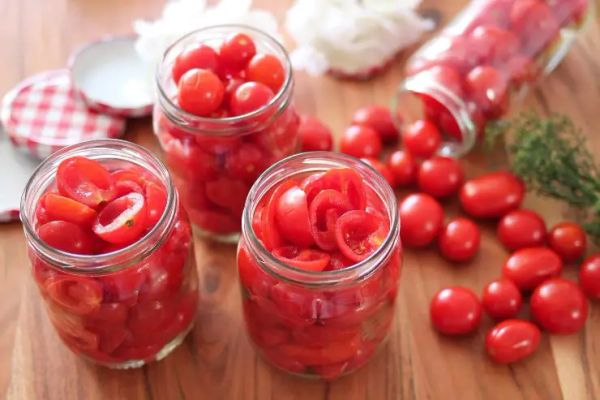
216 361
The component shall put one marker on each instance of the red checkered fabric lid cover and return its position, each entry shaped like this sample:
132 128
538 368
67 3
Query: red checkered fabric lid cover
43 115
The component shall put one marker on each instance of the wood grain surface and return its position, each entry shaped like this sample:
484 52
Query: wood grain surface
216 360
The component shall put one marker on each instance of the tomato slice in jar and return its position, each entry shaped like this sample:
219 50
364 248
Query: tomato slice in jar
156 200
291 215
271 235
252 277
314 356
124 286
325 209
296 306
68 237
358 234
306 259
346 181
122 220
85 180
71 329
61 208
78 295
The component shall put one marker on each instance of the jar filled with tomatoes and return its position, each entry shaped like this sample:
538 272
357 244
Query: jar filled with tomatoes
111 252
466 76
319 263
223 115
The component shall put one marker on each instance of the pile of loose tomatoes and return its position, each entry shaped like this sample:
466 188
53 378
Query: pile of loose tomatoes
532 271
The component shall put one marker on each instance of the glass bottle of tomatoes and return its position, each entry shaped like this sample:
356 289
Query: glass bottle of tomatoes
215 158
319 263
115 299
493 50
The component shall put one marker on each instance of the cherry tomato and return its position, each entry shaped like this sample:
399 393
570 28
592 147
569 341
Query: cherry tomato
358 234
492 195
403 167
455 52
522 69
344 180
568 240
445 76
496 45
530 266
246 162
501 299
512 340
231 86
292 217
589 276
333 353
533 22
440 176
569 10
378 118
198 56
422 139
76 294
325 210
269 232
252 277
266 69
488 87
380 167
422 218
306 259
521 228
156 201
236 51
67 236
360 141
559 306
459 240
200 92
455 311
54 207
249 97
314 135
227 193
123 220
85 180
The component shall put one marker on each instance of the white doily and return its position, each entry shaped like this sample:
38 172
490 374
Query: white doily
352 36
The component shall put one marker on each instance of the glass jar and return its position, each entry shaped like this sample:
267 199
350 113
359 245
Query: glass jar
214 161
491 52
320 324
124 308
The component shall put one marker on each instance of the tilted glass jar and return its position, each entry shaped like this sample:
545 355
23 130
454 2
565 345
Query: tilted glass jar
127 307
467 75
214 161
320 324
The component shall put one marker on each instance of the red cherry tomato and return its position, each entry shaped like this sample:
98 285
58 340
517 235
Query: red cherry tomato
200 92
381 168
459 240
67 236
455 311
236 51
344 180
123 220
76 294
568 240
249 97
314 135
230 87
488 87
533 22
292 217
522 69
358 234
440 176
198 56
246 162
252 277
521 228
445 76
589 276
494 44
492 195
306 259
325 210
454 52
269 232
85 180
501 299
530 266
227 193
156 201
422 139
360 141
378 118
559 306
55 207
266 69
512 340
422 218
403 167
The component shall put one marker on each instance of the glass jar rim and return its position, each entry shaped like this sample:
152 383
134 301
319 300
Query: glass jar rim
282 96
96 263
289 273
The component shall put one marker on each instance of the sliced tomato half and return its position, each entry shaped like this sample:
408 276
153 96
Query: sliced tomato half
325 209
358 234
86 181
123 220
68 237
156 200
76 294
345 180
307 259
55 207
